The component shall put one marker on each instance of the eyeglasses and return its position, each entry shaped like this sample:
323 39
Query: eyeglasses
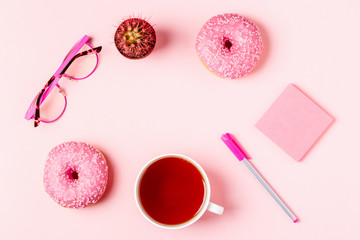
74 54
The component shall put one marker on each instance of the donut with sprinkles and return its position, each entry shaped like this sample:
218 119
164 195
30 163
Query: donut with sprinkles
75 174
229 45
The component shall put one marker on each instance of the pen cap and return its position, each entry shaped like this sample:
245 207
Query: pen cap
234 146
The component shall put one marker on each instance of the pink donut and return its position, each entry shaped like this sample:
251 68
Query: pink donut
75 174
229 45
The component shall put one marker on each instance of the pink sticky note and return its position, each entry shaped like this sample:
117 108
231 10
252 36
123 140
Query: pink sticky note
294 122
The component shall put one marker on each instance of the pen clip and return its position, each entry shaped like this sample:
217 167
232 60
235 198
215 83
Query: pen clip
234 146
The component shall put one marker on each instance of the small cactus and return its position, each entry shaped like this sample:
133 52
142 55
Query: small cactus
135 38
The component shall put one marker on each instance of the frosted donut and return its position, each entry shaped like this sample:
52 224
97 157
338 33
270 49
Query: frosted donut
75 174
229 45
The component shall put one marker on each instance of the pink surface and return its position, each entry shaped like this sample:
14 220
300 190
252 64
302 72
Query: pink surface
294 122
169 102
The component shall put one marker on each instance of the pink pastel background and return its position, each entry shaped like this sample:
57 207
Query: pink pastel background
169 103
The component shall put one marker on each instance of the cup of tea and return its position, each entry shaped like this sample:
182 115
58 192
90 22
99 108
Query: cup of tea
173 191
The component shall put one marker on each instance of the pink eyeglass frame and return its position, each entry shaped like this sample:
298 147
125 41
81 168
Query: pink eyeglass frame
72 55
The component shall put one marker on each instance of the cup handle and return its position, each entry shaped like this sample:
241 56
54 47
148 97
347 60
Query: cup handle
214 208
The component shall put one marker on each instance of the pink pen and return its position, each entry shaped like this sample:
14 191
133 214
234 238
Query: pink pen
236 149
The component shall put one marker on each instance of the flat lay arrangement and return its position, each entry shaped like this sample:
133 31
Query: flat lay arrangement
171 195
150 119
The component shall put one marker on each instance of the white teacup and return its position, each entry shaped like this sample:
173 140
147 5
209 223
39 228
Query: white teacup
151 179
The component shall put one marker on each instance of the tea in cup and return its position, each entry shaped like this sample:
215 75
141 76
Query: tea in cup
173 191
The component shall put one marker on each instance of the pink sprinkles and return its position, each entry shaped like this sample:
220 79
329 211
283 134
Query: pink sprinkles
75 174
229 45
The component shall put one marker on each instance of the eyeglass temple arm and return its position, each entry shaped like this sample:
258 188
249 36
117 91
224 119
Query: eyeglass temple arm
90 51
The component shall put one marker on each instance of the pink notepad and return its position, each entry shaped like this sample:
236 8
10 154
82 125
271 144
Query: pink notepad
294 122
